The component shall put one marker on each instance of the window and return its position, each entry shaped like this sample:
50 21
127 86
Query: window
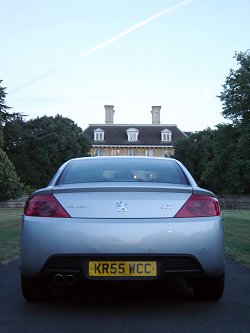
131 152
98 152
98 134
122 170
149 152
166 135
115 152
132 134
166 153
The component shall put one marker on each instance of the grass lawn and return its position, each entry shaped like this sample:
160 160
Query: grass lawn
10 228
237 234
236 227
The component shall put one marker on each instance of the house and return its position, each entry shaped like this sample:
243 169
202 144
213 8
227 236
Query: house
154 139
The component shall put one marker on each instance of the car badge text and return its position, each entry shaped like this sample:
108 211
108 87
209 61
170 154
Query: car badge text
76 206
121 206
166 206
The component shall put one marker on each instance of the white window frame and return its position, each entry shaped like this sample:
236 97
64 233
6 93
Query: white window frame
165 153
115 152
98 152
132 134
149 152
166 135
99 134
131 152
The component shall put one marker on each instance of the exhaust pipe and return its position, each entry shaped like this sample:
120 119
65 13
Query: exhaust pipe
70 279
59 279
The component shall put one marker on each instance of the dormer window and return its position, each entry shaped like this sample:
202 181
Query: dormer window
132 134
166 135
98 134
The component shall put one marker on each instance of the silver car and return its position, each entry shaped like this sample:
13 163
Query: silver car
122 218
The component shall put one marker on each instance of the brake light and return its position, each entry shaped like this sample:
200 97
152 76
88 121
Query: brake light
199 205
44 205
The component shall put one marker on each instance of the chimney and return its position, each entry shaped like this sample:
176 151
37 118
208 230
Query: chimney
156 110
109 114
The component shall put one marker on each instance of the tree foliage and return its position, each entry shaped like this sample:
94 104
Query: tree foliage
10 186
220 159
3 110
235 97
3 106
39 146
229 170
195 152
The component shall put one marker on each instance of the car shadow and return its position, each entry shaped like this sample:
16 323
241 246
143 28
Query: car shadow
121 293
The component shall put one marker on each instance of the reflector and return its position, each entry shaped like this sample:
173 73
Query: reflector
199 205
44 205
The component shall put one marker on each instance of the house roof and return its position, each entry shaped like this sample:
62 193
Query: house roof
149 135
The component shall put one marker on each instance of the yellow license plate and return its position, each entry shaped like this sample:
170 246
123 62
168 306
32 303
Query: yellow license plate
122 268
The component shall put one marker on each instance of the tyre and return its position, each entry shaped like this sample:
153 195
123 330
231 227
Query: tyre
209 288
35 289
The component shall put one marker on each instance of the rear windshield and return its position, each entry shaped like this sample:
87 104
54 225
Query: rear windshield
122 170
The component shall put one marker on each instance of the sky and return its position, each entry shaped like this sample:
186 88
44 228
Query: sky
72 57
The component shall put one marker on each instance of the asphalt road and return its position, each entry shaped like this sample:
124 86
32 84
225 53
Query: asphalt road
127 311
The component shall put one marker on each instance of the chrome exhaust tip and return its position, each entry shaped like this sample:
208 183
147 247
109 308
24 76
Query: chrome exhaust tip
70 279
59 279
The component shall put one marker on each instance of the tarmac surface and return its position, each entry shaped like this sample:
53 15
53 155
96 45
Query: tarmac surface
120 310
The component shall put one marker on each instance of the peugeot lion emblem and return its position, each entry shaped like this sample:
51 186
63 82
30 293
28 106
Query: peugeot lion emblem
121 206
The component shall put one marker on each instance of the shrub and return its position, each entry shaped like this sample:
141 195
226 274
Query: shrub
10 186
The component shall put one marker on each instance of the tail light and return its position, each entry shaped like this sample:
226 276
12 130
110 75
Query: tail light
199 205
44 205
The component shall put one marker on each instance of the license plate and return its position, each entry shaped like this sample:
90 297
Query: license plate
122 268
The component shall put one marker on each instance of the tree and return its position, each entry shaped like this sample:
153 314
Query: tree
3 110
236 106
195 152
3 106
39 146
216 173
220 159
10 186
235 97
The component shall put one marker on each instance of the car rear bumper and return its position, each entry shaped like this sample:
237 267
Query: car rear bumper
183 266
180 246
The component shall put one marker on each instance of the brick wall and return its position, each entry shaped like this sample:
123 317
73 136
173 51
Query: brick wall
235 201
13 203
